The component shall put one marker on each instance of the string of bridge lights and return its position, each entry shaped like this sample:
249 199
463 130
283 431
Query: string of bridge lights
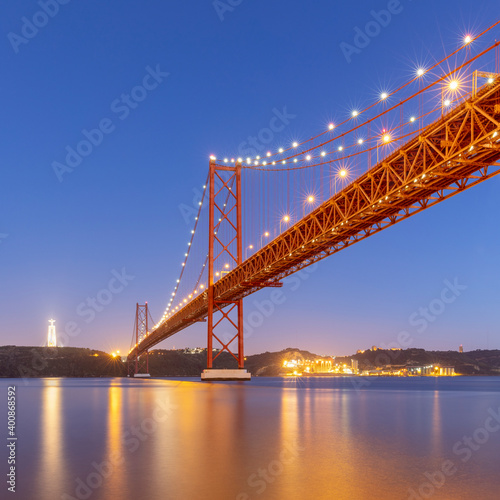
167 311
386 138
453 85
198 288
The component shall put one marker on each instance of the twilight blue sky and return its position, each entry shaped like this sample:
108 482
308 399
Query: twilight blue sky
61 242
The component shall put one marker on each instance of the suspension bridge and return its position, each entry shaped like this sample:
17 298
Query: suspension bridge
263 218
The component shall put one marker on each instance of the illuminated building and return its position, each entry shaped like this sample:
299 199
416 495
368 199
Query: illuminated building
355 365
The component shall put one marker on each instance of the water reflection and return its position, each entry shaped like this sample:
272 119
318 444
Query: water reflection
112 468
243 441
52 470
437 430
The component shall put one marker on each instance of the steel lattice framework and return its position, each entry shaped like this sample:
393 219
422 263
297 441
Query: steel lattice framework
451 155
136 363
225 185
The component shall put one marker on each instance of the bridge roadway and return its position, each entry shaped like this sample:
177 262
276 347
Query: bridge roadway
456 152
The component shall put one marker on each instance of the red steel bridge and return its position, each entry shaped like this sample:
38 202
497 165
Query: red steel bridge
265 217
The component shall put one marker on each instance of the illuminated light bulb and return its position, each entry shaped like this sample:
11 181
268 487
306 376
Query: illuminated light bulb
355 113
280 150
490 80
227 266
386 138
266 234
340 148
412 119
257 157
420 71
192 231
274 163
343 173
250 246
185 300
249 160
331 126
467 39
284 161
212 157
256 162
295 144
286 218
225 160
384 95
323 153
310 199
269 153
204 187
453 85
178 281
360 141
308 157
173 294
202 286
447 102
295 160
183 264
217 273
232 160
264 163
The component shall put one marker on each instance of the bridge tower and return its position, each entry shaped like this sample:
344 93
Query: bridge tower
225 251
140 365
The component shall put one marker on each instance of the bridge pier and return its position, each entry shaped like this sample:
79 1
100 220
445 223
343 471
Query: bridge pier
214 375
224 255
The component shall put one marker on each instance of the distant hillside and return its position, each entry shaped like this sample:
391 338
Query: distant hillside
58 362
480 362
166 363
81 362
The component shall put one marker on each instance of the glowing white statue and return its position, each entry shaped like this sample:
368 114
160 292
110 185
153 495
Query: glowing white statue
51 338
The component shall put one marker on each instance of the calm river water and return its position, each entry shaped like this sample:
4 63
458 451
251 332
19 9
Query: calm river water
273 438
